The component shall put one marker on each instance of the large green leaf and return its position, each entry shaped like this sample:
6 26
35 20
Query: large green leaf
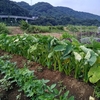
85 49
92 60
94 74
90 57
75 42
96 45
68 50
59 48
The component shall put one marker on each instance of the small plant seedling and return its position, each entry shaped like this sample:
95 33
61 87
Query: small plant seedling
39 69
60 83
18 97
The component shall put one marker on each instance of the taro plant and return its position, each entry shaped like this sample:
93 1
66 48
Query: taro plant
90 59
94 77
57 54
63 55
78 64
67 59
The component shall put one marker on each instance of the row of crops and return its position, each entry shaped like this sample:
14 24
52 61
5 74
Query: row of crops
70 57
34 88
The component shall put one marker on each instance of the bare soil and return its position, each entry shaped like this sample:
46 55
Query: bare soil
15 30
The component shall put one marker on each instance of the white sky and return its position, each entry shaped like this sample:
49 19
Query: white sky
91 6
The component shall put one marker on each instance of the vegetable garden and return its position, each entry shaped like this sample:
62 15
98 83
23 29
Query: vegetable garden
72 58
65 57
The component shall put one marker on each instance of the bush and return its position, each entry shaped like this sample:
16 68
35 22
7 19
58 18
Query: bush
44 29
24 25
3 29
60 27
38 29
72 28
67 35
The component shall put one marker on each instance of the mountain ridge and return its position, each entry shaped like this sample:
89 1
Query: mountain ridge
63 10
10 8
48 14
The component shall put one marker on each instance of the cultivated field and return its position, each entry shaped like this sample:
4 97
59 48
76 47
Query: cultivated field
50 64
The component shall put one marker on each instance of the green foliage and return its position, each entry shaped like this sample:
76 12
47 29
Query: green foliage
24 5
94 74
8 7
47 14
72 28
56 54
65 97
90 57
33 88
3 29
60 15
4 84
67 35
40 29
50 20
60 27
69 57
24 25
97 91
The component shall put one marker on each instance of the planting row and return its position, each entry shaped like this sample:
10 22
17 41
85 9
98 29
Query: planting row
66 56
34 88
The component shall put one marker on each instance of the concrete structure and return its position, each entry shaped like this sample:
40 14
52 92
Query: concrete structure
17 17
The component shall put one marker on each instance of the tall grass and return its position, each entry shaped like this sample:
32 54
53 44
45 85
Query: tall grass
3 29
40 29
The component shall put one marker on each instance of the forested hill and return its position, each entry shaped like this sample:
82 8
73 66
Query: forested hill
46 9
8 7
48 14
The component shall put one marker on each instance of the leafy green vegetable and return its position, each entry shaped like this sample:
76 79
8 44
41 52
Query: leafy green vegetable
94 74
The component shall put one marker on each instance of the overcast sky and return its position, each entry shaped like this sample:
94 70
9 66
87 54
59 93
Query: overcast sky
91 6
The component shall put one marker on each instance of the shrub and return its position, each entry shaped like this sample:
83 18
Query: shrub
38 29
24 25
72 28
67 35
3 29
44 29
60 27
